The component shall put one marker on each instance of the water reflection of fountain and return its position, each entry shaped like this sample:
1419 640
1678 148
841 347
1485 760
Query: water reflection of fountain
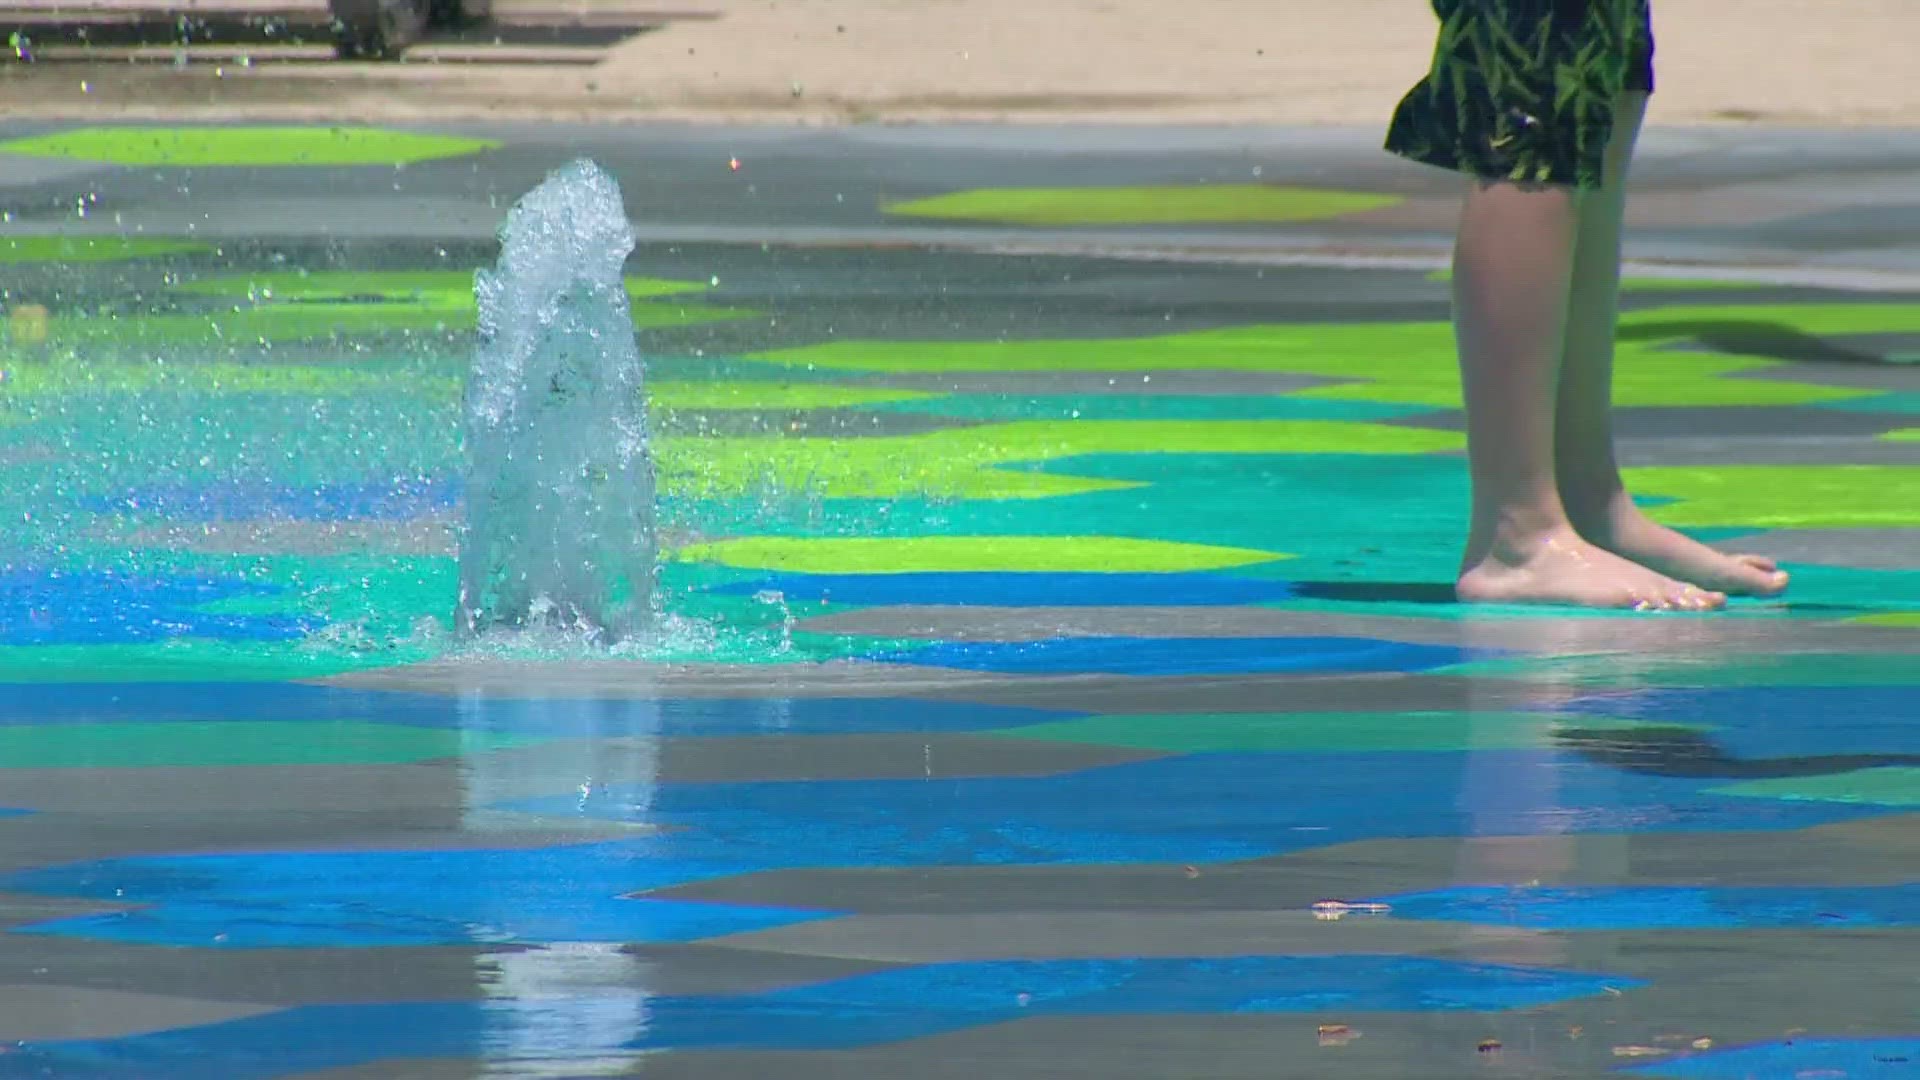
559 1007
560 484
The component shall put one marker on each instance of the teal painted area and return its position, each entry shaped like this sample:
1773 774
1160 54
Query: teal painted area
1702 669
230 743
1890 402
1311 733
1890 787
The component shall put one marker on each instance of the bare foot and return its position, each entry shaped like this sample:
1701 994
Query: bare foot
1560 568
1630 534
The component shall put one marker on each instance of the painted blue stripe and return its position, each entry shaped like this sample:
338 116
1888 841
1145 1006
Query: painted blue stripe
867 1010
1231 807
1797 1059
241 500
1779 721
36 703
1664 908
41 606
577 892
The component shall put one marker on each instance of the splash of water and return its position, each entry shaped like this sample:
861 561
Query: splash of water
560 526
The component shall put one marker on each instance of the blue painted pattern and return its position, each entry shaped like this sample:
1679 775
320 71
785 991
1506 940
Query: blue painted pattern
1666 908
1234 807
577 892
97 607
1797 1059
82 703
233 500
865 1010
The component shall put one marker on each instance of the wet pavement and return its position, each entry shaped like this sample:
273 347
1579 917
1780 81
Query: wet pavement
1059 676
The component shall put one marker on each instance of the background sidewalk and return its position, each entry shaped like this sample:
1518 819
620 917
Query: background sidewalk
1783 62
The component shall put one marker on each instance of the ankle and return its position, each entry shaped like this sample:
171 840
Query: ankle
1517 534
1603 511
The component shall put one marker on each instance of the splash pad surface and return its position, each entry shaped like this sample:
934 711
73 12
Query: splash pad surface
1044 637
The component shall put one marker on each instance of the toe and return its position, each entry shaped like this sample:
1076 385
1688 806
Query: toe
1766 577
1692 598
1759 576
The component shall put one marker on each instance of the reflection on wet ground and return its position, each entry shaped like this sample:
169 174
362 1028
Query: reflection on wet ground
1060 679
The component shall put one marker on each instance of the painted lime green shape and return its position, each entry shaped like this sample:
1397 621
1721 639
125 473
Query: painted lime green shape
1783 496
92 249
969 554
272 323
1313 732
965 463
1147 407
1637 670
1901 620
1872 787
451 288
728 396
229 743
53 379
1398 363
1657 284
215 146
1911 434
1181 205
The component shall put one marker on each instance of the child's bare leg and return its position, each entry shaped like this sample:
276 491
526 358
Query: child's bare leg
1589 477
1513 266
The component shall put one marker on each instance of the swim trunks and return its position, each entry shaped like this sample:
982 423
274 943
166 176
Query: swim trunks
1525 90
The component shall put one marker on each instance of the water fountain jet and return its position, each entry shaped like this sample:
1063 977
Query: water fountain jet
559 529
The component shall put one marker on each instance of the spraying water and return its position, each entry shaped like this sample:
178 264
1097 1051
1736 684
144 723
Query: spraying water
560 485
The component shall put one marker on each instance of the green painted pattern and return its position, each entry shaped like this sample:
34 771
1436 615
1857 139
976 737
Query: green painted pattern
1178 205
1911 434
93 249
237 146
1299 733
1783 496
1399 363
111 335
1877 787
969 463
1896 620
230 743
774 396
1004 407
963 554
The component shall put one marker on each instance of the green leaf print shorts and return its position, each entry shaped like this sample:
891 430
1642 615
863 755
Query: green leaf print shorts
1525 90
